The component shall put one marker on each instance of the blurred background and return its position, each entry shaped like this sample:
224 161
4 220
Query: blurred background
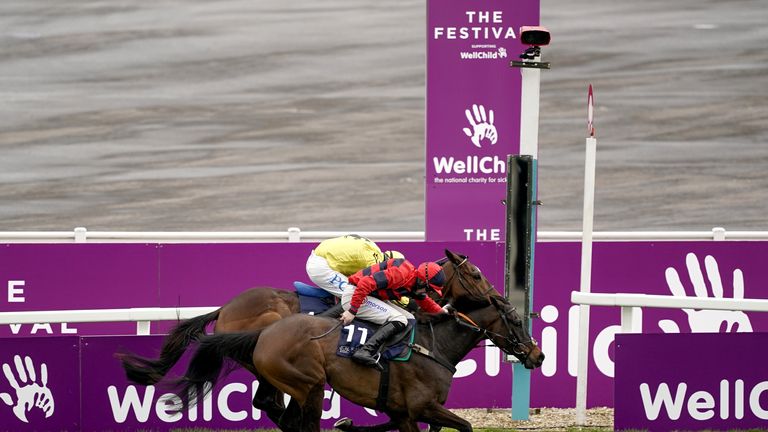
241 115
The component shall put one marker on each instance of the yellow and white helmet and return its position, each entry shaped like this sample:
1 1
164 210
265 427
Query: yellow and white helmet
390 254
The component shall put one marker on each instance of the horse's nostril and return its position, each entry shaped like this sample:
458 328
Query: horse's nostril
541 357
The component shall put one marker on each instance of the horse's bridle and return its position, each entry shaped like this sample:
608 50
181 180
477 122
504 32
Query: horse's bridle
518 347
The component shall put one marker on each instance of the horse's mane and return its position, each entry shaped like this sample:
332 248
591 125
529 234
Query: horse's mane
434 318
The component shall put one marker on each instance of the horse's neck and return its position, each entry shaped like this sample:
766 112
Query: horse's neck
452 340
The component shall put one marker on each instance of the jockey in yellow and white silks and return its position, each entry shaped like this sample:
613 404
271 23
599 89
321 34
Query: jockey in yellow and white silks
335 259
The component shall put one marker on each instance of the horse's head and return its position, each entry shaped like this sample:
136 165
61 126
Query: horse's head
464 281
510 334
467 289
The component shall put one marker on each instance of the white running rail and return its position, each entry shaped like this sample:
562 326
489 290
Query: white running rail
629 303
293 234
142 316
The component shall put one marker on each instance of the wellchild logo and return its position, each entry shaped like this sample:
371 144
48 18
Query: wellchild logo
482 127
501 53
707 320
29 391
703 405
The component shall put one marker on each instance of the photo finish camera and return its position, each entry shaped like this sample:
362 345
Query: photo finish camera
534 35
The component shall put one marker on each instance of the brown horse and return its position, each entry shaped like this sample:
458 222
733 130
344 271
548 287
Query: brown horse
252 309
297 356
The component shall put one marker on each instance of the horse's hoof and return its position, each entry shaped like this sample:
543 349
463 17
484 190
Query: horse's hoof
343 423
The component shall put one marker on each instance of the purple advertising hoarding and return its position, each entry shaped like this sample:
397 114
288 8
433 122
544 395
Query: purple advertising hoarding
473 113
40 385
86 369
691 382
115 404
92 276
76 276
713 269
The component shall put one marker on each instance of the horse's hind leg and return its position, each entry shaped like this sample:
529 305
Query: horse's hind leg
269 400
291 419
312 410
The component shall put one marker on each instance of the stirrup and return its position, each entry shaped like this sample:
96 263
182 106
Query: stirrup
376 363
372 361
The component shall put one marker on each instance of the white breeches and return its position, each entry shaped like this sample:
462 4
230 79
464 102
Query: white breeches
375 310
325 277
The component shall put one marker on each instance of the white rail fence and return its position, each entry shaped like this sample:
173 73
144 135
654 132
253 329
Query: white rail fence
293 234
629 303
142 316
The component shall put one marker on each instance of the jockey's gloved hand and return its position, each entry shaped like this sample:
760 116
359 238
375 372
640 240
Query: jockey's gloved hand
448 308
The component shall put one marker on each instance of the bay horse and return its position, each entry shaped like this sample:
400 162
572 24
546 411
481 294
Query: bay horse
297 355
250 310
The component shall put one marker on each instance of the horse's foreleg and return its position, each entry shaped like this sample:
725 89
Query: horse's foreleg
438 416
345 424
408 426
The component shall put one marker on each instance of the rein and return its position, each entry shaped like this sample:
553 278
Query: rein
466 321
328 332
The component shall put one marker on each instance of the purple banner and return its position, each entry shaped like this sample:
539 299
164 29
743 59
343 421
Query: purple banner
703 269
76 276
722 384
473 113
63 371
40 385
91 276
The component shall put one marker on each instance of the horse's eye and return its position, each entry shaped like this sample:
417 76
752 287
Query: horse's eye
477 276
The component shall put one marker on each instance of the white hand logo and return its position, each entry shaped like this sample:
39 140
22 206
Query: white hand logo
482 126
707 321
502 52
29 393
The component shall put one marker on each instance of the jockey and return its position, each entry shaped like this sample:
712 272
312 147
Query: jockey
334 259
366 298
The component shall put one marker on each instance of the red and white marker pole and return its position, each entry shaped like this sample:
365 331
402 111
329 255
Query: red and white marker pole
586 263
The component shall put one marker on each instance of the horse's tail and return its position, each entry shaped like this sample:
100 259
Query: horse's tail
204 369
146 371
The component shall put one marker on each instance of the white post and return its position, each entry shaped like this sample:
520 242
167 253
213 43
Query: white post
529 110
627 319
142 327
586 269
81 235
294 234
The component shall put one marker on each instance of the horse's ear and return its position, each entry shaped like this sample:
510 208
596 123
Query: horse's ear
456 259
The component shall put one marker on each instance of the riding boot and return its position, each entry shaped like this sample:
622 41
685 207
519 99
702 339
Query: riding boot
368 353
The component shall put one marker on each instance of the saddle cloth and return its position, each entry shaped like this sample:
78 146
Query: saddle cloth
313 300
355 335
